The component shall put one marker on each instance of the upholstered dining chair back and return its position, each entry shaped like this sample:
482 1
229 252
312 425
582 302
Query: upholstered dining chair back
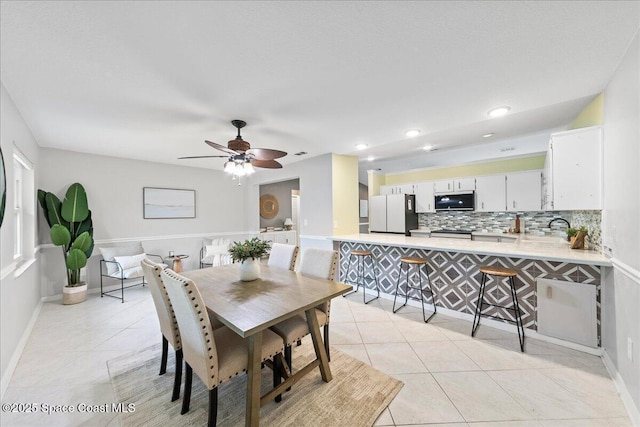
283 256
196 333
321 263
168 323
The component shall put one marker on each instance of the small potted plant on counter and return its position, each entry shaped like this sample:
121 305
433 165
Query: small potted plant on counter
248 254
577 236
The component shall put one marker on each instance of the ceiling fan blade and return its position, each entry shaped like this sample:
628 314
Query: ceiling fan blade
268 164
222 148
201 157
265 153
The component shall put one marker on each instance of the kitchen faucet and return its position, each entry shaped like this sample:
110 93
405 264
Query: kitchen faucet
559 219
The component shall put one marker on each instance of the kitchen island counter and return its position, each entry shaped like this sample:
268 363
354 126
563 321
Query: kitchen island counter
530 247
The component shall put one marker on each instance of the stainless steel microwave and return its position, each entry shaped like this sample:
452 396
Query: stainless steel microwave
463 201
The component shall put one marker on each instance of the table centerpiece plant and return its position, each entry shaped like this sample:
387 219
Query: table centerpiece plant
248 254
72 230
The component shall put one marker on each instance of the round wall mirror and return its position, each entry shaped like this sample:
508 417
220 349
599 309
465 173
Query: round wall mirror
3 187
268 206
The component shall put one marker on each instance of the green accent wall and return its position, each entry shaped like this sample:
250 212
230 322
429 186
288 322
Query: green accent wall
474 169
592 115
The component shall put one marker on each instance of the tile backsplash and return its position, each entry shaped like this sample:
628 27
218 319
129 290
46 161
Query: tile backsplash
534 222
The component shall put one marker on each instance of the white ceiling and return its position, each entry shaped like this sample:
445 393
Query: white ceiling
153 80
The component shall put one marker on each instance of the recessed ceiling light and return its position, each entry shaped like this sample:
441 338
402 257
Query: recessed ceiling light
361 146
500 111
488 135
411 133
427 147
371 158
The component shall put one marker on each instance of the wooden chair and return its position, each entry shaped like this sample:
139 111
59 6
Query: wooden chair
217 355
316 263
283 256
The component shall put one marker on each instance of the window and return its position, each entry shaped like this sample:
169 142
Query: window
23 208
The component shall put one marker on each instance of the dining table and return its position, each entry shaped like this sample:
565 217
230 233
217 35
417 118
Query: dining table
248 308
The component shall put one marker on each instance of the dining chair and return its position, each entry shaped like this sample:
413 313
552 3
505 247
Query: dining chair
283 256
168 323
319 263
217 355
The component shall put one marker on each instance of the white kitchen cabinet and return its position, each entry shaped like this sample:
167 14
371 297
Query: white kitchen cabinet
567 310
524 191
576 165
452 185
424 197
547 180
386 190
491 193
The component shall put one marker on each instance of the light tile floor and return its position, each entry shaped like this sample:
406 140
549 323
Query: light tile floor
449 378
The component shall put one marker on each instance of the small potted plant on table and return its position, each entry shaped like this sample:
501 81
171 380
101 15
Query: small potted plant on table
248 254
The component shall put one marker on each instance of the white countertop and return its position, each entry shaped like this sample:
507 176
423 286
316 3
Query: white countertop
529 247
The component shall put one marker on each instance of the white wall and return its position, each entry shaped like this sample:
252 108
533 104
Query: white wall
19 295
621 221
114 189
316 202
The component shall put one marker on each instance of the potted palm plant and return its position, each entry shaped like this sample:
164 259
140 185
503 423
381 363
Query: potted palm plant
72 230
248 254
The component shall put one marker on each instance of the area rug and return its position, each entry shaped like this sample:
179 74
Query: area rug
356 396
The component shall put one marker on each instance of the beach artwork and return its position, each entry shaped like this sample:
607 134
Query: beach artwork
169 203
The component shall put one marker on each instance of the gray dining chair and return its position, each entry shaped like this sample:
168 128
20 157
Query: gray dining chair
320 263
217 355
283 256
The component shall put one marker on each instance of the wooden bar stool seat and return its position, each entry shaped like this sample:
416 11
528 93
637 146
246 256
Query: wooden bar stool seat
361 277
499 272
418 262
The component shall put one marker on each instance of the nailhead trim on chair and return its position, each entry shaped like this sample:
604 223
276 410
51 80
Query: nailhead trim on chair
156 271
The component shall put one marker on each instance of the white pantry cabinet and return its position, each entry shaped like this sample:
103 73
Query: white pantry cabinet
424 197
524 191
576 169
491 193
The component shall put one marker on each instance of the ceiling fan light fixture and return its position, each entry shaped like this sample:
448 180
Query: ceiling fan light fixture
248 168
229 166
499 111
412 133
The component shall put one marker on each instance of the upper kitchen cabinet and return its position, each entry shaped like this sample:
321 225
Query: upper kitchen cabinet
459 184
576 169
524 191
491 193
386 190
424 197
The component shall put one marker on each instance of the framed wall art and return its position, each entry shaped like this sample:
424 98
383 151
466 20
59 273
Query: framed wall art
168 203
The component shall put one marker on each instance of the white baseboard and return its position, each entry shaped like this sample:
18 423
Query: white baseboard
627 400
58 297
503 326
17 353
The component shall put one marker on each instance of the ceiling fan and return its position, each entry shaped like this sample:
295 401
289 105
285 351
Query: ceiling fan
242 158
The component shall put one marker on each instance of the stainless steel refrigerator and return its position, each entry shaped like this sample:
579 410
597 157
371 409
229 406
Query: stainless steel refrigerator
393 213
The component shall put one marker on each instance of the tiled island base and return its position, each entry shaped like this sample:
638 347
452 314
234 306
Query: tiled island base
456 277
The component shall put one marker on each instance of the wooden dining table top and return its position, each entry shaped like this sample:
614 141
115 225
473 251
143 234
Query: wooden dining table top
250 307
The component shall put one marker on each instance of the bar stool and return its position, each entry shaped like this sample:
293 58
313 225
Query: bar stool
361 278
418 262
499 272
